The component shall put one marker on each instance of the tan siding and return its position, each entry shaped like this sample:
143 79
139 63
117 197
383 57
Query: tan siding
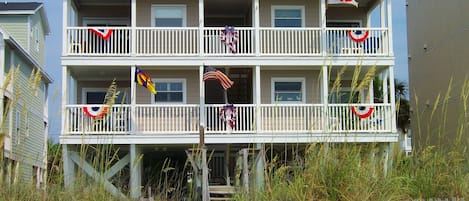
97 12
144 11
121 85
311 11
16 26
311 82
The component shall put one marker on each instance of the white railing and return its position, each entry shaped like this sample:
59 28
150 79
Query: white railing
83 41
339 42
167 41
290 41
343 119
274 118
244 44
114 121
184 41
243 123
296 118
166 119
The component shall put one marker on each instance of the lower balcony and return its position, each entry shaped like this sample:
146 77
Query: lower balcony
247 123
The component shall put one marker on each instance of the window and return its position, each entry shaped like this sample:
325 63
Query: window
97 95
343 96
288 16
170 91
169 15
288 90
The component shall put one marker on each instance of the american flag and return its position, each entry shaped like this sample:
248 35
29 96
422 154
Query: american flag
214 74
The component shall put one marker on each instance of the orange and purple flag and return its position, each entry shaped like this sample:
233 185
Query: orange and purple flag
144 79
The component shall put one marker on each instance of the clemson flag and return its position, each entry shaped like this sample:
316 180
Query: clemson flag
144 79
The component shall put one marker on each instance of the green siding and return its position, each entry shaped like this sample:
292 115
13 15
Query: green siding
16 26
37 53
29 105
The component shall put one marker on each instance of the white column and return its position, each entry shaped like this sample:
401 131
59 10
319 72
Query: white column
65 7
135 171
382 13
392 99
65 83
69 167
325 97
389 12
257 96
202 96
371 94
260 167
323 23
256 23
133 99
133 23
201 27
385 86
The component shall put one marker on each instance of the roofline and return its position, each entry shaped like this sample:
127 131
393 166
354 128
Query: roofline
10 40
39 9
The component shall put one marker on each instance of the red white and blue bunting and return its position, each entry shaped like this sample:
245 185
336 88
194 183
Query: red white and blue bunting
228 114
105 34
229 37
358 35
95 112
362 112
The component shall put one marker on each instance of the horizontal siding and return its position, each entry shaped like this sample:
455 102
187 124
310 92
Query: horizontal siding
28 137
38 54
16 26
311 11
144 11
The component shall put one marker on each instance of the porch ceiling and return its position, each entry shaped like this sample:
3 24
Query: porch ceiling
91 73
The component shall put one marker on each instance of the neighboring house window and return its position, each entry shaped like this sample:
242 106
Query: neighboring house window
288 16
170 91
288 90
17 126
169 15
343 96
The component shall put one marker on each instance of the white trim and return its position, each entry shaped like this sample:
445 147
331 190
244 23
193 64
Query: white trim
288 79
171 80
182 6
97 89
274 7
105 20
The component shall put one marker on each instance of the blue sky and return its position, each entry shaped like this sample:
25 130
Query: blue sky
54 49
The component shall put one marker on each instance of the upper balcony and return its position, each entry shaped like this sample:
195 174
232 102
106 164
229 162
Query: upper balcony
129 28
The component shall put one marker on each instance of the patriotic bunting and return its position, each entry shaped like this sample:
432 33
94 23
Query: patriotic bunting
95 112
358 35
229 37
105 34
214 74
228 115
362 112
144 79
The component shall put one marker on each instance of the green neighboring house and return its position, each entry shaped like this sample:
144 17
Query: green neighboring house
23 27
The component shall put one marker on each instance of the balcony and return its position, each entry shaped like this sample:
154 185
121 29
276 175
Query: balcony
151 41
250 119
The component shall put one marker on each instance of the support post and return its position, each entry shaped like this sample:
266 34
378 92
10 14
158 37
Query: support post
133 99
389 17
201 27
260 167
392 99
202 98
257 97
65 7
205 190
135 171
133 18
323 24
227 164
256 23
245 170
371 95
69 167
324 98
